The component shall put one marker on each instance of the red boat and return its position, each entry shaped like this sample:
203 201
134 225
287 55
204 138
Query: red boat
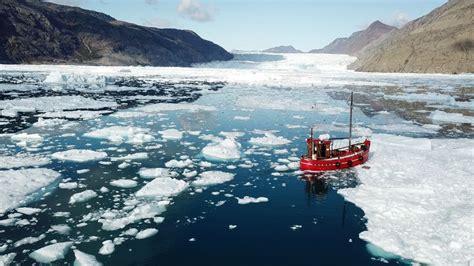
322 156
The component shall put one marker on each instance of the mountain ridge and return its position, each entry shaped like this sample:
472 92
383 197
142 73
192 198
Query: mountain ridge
357 40
33 31
442 41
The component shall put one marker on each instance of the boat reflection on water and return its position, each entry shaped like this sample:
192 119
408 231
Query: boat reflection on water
316 185
321 192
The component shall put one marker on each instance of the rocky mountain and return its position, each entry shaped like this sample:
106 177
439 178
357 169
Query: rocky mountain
32 31
288 49
357 41
439 42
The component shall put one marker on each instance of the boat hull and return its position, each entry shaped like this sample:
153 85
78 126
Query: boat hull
337 163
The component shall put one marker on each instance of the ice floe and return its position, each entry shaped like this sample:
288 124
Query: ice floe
227 149
450 118
54 103
7 162
80 156
209 178
171 134
28 210
51 252
178 164
115 220
162 187
123 183
17 185
82 196
248 199
146 233
417 197
269 139
84 259
131 157
119 134
150 173
107 248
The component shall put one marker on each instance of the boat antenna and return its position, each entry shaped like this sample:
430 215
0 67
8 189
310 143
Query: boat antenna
350 121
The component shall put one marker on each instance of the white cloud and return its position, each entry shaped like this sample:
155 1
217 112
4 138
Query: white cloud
398 19
195 10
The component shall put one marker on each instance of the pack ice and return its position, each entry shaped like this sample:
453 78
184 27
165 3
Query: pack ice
417 197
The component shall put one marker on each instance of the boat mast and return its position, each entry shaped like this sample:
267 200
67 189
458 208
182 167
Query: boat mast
350 121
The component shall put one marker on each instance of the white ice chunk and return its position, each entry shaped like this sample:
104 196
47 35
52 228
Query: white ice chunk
49 122
119 134
132 157
68 185
79 155
123 183
51 252
82 196
107 248
84 259
247 200
269 140
28 210
209 178
146 233
7 259
227 149
150 173
16 185
145 211
178 164
447 118
171 134
7 162
162 187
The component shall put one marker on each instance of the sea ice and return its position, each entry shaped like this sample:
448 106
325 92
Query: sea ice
162 187
49 122
16 185
150 173
132 157
7 162
269 140
178 164
247 200
448 118
118 220
107 248
209 178
146 233
84 259
119 134
171 134
80 156
417 198
123 183
7 259
54 103
227 149
28 210
51 252
82 196
68 185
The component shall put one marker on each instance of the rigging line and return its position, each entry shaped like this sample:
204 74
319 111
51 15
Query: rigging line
338 115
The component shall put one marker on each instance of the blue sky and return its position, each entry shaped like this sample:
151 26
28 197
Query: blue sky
261 24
